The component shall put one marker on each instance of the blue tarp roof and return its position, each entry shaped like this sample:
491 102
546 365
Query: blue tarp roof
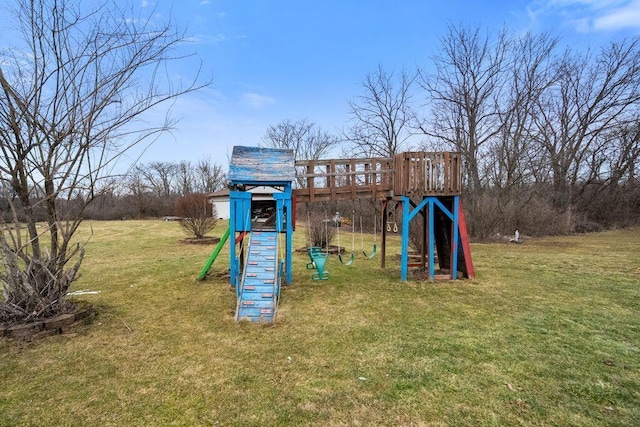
258 164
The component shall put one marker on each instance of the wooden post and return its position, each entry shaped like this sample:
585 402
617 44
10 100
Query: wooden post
347 176
432 241
383 252
425 236
352 178
328 175
332 178
374 180
447 174
311 181
367 179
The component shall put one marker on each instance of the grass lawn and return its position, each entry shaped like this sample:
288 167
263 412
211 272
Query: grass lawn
547 334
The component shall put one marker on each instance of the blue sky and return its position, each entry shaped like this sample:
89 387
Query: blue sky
273 60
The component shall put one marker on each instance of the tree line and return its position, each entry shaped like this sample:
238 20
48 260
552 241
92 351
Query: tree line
550 135
152 189
148 190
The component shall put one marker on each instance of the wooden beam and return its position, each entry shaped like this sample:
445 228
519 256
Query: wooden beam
383 251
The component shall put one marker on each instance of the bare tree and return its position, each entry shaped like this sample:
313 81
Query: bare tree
184 178
72 97
542 133
530 72
209 176
139 197
624 155
307 140
590 97
159 182
380 119
464 94
513 162
160 177
154 188
108 205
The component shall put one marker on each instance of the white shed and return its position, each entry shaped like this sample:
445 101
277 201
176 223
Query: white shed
220 199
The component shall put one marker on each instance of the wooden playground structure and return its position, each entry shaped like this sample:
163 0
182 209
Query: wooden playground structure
424 183
420 184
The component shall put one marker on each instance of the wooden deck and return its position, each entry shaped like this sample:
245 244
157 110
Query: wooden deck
414 174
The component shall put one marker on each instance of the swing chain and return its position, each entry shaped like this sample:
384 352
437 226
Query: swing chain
394 222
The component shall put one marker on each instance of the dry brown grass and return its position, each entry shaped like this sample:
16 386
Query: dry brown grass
546 335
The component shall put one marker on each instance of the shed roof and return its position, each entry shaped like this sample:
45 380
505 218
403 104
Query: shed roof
259 164
261 190
219 194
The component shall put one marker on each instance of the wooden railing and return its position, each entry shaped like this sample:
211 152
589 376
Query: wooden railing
407 174
422 173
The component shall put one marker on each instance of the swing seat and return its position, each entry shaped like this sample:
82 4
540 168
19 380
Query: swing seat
350 261
373 253
312 250
320 260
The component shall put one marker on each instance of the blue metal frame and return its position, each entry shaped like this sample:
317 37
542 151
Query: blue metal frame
431 202
239 221
284 205
456 237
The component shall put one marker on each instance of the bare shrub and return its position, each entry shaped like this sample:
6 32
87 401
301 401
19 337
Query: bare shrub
416 234
531 212
38 289
320 231
199 216
538 217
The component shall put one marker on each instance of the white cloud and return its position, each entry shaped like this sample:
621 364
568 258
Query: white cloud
589 15
627 16
595 4
207 38
216 38
257 101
